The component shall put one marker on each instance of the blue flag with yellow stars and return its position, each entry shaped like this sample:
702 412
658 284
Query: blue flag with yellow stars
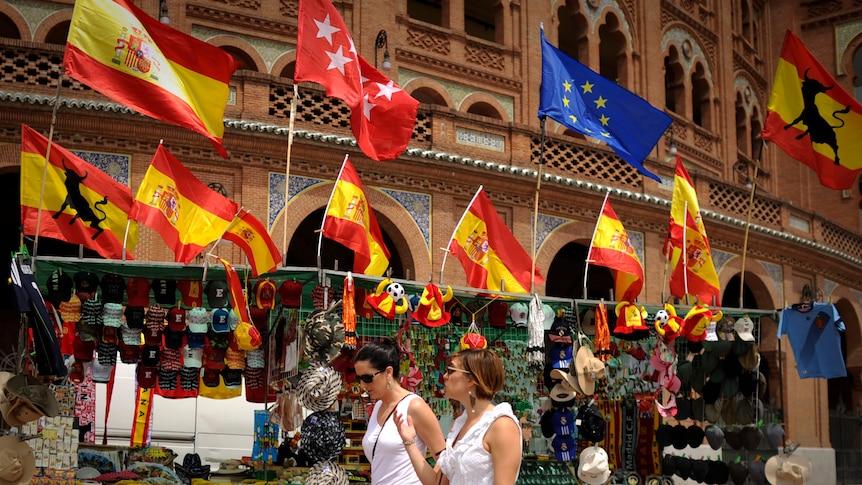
584 101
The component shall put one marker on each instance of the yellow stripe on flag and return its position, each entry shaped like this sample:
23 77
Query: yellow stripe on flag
143 413
472 238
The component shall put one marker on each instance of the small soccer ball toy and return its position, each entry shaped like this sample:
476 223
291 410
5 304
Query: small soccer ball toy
396 291
662 317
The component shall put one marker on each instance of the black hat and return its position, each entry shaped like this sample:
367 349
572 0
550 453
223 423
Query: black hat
164 291
561 331
591 424
751 436
699 470
694 436
679 437
113 288
547 424
662 435
683 408
322 436
733 437
719 473
683 467
711 392
668 464
59 287
192 468
738 472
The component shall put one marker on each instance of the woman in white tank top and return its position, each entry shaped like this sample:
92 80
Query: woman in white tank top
484 445
377 368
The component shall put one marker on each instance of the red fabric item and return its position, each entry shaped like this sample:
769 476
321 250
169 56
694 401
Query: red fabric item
138 291
192 293
253 238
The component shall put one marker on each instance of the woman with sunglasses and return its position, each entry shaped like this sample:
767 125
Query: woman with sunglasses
483 446
377 367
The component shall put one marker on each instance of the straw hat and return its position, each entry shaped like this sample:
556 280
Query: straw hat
788 470
589 370
318 387
17 461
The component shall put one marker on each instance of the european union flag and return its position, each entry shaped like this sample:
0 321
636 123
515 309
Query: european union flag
584 101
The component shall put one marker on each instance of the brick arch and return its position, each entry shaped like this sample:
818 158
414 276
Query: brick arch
699 53
241 44
50 22
409 240
427 83
473 98
847 57
17 19
848 306
10 158
756 278
282 62
573 231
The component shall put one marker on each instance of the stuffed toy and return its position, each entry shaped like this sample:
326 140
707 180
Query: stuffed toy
667 323
696 321
630 321
430 311
389 299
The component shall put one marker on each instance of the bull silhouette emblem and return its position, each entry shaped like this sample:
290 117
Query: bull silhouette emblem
77 202
816 126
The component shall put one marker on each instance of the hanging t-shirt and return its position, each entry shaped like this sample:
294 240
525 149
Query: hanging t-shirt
812 330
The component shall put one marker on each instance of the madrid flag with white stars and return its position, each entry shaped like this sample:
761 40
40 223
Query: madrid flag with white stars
382 114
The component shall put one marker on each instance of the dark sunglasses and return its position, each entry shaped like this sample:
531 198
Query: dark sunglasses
368 378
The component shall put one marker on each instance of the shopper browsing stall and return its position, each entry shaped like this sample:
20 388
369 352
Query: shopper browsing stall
377 368
479 447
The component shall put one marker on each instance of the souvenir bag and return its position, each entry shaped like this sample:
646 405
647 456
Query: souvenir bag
472 339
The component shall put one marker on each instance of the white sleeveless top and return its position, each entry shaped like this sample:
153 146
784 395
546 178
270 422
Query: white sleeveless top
469 463
390 464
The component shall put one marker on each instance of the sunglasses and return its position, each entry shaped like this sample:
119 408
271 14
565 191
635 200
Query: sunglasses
450 370
368 378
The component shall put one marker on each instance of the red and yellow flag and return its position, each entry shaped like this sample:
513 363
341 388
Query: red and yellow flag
350 221
182 209
491 255
687 233
130 57
252 237
612 249
81 204
812 118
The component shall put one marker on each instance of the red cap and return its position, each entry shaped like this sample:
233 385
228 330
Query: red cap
290 292
177 319
498 310
138 291
192 293
147 376
264 294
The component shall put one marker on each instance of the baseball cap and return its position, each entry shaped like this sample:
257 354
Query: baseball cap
193 357
86 284
564 422
196 340
744 328
561 356
590 422
174 338
264 294
217 293
219 320
147 376
290 292
165 291
59 287
177 319
150 355
113 288
135 316
198 320
138 291
498 310
191 292
519 312
129 353
560 331
564 448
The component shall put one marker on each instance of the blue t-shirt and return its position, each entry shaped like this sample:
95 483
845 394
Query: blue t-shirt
813 334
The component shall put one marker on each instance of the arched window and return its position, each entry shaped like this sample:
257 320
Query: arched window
482 108
701 100
572 37
8 29
756 127
245 60
58 34
745 14
430 11
480 19
674 82
288 70
741 125
428 96
612 51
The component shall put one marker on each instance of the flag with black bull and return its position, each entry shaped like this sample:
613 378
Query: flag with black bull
49 360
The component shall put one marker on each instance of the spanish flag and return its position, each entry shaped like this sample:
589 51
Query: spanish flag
350 221
182 209
612 249
812 118
130 57
80 203
252 237
491 256
687 246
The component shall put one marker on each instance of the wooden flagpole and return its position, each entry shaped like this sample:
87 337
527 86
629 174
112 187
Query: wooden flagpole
592 239
287 173
536 207
443 266
45 173
748 223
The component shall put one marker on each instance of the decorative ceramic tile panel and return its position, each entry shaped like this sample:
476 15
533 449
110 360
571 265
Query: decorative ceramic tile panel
276 192
547 224
116 165
720 258
418 206
776 273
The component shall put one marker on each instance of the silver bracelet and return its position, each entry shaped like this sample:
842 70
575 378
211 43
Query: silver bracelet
409 442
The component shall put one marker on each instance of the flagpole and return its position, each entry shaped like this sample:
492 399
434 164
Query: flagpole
592 239
684 252
536 207
326 211
748 223
287 169
456 230
45 174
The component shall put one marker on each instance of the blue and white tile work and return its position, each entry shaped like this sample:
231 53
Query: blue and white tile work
720 258
276 192
776 273
547 224
116 165
418 206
